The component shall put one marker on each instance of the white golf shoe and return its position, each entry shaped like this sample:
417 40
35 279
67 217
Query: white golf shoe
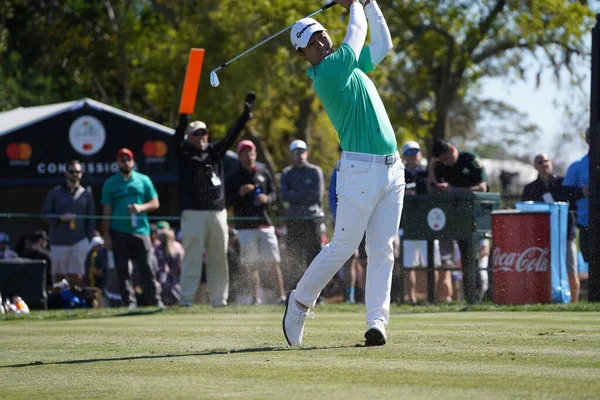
375 335
293 320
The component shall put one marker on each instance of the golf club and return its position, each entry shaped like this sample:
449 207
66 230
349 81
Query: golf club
214 79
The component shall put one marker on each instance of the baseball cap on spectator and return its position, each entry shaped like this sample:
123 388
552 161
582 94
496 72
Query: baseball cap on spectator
298 145
125 152
302 31
196 126
163 225
96 241
244 144
410 145
4 238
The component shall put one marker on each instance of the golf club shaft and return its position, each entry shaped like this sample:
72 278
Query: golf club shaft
325 7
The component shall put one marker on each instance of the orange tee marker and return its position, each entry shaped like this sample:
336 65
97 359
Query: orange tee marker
192 79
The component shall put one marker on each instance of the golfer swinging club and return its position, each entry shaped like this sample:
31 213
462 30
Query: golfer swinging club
370 173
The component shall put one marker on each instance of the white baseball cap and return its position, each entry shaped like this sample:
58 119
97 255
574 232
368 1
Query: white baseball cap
302 31
298 144
195 126
96 241
410 145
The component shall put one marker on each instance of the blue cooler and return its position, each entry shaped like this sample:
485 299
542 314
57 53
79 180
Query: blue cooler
559 214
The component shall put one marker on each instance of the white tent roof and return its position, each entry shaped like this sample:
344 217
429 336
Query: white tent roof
523 173
21 117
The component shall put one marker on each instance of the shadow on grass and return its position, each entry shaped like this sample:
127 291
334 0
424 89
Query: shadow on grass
138 312
200 354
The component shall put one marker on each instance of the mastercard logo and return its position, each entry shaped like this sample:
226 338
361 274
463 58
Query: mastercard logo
154 148
18 151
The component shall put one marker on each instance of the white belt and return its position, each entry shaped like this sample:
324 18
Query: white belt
372 158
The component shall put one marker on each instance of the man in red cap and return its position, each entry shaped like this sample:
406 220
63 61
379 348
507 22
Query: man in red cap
127 197
202 204
250 190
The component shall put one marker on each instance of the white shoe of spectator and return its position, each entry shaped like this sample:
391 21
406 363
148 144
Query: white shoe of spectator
375 335
293 320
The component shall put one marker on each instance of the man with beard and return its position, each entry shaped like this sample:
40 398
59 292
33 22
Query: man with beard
69 235
127 197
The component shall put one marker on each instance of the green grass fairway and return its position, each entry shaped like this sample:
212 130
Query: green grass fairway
240 352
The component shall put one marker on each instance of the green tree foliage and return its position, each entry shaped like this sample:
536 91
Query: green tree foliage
132 54
444 47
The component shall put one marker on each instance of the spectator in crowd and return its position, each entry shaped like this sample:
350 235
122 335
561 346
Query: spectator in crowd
5 251
353 270
102 273
302 186
414 252
169 266
250 190
370 175
127 197
39 251
483 262
69 236
577 183
202 204
164 225
548 188
454 171
95 263
154 234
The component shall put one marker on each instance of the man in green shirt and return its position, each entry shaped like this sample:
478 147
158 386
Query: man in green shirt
126 198
370 178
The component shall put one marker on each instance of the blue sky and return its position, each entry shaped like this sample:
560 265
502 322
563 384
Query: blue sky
543 106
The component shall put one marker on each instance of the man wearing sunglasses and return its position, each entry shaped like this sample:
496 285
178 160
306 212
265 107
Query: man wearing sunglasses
69 206
202 204
549 188
127 197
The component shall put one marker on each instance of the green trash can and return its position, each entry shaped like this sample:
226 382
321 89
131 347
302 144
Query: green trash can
465 217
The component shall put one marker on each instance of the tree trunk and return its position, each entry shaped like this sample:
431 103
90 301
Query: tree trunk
305 120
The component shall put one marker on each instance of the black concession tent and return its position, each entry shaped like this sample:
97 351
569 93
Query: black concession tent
37 142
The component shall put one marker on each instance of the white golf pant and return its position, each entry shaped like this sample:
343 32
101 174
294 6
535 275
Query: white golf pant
370 196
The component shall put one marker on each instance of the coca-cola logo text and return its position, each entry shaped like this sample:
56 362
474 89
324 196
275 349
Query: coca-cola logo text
533 259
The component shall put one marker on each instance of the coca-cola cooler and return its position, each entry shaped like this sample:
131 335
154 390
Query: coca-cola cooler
529 254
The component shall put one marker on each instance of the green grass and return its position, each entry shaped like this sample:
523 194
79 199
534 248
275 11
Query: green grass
240 352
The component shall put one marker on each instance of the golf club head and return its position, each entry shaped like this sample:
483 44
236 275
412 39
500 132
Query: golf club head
214 79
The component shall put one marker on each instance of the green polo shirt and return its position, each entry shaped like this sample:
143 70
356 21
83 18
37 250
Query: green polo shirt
119 192
352 102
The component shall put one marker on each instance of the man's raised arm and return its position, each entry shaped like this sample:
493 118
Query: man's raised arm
357 26
381 40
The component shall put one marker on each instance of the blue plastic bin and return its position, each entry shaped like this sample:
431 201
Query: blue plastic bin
561 291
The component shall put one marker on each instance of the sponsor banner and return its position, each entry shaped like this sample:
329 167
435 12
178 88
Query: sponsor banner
41 151
521 258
